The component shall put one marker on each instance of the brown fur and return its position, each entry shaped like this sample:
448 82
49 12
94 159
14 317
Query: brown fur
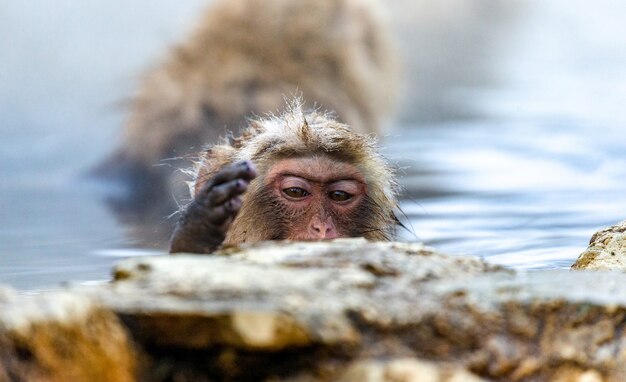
298 134
245 55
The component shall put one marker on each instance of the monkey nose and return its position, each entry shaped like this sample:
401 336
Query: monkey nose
323 230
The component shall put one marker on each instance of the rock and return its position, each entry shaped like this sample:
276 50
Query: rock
245 309
386 311
270 296
344 310
406 370
61 337
606 250
541 326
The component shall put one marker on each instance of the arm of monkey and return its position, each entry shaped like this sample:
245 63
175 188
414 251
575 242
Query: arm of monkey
204 223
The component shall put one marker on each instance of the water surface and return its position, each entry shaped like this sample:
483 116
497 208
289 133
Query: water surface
518 157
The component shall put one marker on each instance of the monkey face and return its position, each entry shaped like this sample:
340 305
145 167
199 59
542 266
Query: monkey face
304 198
316 196
316 180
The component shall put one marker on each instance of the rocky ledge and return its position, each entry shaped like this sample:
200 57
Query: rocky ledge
346 310
606 250
62 336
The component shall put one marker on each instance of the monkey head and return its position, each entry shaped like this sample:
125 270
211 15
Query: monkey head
317 179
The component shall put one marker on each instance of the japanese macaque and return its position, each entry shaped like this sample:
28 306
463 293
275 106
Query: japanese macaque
298 176
243 57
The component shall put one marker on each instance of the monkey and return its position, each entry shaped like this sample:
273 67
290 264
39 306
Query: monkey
238 62
301 175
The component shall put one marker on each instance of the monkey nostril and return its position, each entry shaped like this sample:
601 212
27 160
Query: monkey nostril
330 233
323 231
318 231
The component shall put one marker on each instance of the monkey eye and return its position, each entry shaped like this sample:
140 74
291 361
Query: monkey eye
295 192
339 196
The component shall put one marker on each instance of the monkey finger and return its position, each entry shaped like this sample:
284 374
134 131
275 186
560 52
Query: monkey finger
222 192
219 214
240 170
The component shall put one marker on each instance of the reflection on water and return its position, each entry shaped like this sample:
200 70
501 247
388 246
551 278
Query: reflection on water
527 196
525 181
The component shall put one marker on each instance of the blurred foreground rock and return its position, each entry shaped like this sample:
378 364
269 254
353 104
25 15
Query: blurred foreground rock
606 250
353 311
59 337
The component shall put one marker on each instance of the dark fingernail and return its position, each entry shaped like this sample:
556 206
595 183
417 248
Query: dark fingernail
249 167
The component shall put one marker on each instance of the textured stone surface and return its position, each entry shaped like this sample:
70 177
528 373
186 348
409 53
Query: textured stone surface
61 337
606 250
324 311
289 305
272 296
406 370
345 311
544 326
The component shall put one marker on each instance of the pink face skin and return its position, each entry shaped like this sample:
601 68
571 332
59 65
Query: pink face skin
317 190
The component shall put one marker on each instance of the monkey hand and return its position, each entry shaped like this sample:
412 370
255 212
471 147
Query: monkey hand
204 223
